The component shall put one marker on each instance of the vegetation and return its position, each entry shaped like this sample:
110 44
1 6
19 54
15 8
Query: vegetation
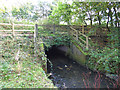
50 38
19 67
99 15
85 13
106 59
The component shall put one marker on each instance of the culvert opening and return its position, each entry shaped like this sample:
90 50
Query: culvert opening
67 73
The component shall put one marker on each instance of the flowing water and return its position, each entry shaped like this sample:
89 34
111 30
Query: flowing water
67 73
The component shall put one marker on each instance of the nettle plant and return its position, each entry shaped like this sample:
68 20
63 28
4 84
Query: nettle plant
57 40
106 59
61 40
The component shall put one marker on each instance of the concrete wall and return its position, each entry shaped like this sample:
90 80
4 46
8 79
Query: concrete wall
74 52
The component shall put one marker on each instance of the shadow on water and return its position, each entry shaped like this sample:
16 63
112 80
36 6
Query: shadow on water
67 73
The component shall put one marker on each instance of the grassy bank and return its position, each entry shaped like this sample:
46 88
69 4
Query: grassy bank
18 66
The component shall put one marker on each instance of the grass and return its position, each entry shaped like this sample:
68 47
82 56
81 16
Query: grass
19 68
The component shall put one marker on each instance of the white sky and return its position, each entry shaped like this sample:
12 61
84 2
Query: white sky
10 3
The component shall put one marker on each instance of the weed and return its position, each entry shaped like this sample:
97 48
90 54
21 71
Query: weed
18 67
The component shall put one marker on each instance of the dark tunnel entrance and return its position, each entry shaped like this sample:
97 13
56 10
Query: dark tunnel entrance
67 73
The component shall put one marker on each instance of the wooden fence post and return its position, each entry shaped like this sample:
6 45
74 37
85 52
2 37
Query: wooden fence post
87 42
36 30
35 38
76 35
13 32
83 29
35 33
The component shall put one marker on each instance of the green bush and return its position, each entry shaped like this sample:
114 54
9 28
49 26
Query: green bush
106 59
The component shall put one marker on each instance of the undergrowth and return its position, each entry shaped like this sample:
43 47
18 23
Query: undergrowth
106 59
18 66
57 38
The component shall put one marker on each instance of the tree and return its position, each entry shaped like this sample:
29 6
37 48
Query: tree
4 15
84 12
23 12
62 13
4 12
116 6
43 10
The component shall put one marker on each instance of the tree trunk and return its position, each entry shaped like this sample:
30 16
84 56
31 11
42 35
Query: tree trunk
90 21
110 14
108 23
90 18
116 17
85 22
99 19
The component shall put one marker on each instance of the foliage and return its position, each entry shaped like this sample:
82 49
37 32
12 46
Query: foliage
87 13
61 13
4 12
51 38
46 21
96 14
4 15
104 60
43 10
57 40
31 12
26 11
18 66
60 39
113 37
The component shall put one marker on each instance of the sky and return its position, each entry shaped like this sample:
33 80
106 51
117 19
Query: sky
15 3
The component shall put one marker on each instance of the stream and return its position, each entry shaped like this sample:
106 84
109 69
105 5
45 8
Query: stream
67 73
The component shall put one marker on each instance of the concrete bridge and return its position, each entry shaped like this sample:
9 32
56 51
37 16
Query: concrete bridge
79 45
79 40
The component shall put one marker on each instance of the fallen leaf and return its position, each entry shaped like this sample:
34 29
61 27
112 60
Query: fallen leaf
60 68
68 68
